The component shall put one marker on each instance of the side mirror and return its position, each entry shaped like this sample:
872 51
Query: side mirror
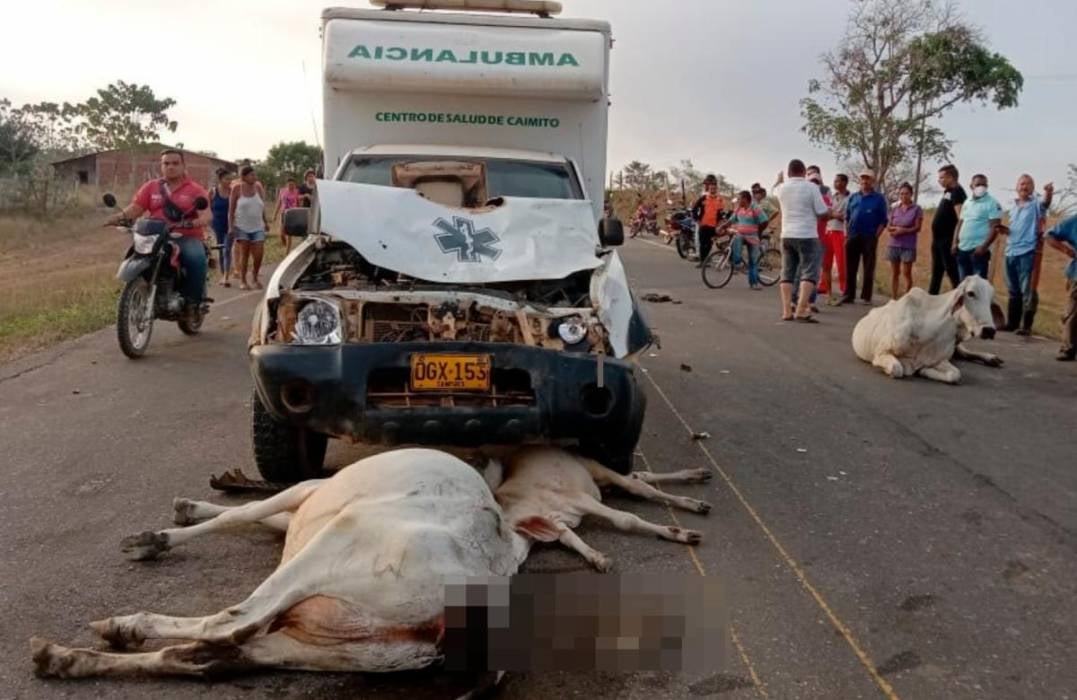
296 221
611 232
109 199
201 203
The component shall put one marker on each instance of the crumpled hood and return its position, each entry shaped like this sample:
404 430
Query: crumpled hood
398 229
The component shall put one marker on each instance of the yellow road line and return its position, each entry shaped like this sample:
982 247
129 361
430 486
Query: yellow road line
838 624
756 682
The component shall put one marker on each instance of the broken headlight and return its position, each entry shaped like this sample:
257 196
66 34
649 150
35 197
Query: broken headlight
572 331
318 323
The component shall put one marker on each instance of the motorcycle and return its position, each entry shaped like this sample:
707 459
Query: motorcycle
152 274
645 223
682 229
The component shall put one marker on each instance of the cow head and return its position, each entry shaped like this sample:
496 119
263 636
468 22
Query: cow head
978 314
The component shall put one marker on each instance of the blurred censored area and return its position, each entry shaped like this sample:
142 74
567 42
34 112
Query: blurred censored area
585 622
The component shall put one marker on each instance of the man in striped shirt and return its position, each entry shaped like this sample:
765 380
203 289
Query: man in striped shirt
746 222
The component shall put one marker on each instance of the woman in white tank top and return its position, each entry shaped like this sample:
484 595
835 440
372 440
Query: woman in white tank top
248 223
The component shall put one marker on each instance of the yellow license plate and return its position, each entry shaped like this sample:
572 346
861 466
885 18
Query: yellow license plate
441 372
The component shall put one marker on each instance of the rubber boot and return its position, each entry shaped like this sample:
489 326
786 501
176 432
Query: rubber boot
1013 314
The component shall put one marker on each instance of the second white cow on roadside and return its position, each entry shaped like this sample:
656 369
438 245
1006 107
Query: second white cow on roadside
920 333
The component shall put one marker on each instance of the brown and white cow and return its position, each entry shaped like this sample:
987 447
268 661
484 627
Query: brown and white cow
367 552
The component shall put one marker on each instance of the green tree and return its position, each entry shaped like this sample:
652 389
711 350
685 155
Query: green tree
638 176
17 146
289 158
55 128
125 115
900 65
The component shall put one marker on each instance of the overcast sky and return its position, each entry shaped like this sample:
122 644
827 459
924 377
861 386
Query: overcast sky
715 81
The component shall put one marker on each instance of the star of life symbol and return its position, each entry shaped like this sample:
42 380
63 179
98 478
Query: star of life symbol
460 237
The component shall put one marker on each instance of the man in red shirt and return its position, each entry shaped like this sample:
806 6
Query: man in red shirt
708 211
152 199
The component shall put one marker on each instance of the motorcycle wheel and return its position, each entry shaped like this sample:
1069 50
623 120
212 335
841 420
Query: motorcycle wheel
191 325
683 247
133 330
770 267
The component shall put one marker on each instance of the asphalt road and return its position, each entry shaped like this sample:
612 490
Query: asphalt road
873 537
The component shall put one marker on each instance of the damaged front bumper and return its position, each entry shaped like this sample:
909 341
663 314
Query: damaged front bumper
361 392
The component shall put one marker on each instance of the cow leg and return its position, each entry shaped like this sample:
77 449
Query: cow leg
295 580
630 522
205 659
148 545
187 512
684 476
889 364
963 353
637 487
573 541
194 659
943 372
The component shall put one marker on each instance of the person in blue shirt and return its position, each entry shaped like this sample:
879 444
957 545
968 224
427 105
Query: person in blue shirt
1063 237
1026 222
978 228
866 216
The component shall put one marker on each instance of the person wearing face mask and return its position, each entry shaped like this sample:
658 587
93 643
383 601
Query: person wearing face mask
1023 239
977 229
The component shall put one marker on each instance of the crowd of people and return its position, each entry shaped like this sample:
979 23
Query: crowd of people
241 220
821 227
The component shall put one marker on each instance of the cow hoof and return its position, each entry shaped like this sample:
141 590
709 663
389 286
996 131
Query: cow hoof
678 534
144 546
993 361
41 654
117 636
693 536
702 507
183 512
701 475
602 564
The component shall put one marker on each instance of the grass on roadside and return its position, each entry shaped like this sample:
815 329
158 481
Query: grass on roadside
58 279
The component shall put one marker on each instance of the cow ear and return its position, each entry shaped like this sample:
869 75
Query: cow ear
958 303
538 528
997 316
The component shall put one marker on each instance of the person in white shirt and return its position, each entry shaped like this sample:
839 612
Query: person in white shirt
801 204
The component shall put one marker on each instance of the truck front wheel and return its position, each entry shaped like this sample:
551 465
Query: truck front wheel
284 453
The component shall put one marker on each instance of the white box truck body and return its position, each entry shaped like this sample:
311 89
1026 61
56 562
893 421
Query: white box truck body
468 80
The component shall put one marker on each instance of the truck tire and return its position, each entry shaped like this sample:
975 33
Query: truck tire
616 457
284 453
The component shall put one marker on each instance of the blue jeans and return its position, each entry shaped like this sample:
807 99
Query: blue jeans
753 258
969 264
225 255
192 259
1019 278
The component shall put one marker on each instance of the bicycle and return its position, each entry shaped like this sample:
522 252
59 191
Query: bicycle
719 267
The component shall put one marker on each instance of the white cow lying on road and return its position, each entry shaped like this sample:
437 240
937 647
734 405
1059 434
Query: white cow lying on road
920 333
360 585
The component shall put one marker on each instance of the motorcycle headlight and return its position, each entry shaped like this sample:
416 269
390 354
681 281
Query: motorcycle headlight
143 245
318 323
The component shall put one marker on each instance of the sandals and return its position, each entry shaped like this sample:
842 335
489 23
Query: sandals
806 319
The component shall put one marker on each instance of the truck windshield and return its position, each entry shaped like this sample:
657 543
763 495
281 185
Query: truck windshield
504 178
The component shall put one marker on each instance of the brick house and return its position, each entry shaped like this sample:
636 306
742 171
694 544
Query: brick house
118 169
